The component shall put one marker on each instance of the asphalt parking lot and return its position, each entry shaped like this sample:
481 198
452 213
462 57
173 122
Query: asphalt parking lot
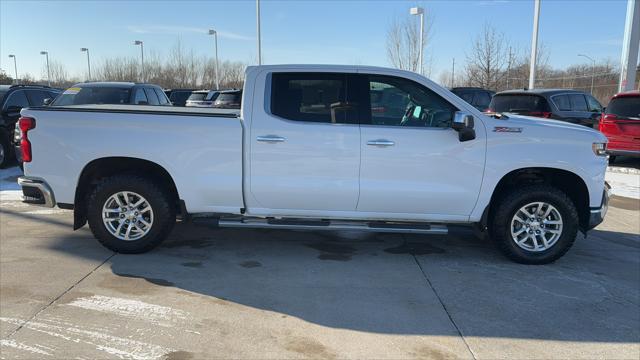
226 293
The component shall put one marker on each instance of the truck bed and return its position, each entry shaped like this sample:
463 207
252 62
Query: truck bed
200 148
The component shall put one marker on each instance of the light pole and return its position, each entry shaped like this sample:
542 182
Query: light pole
258 30
88 62
215 35
15 67
46 53
138 42
593 69
419 11
534 45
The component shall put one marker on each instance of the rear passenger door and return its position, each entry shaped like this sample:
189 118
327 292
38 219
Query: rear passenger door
304 145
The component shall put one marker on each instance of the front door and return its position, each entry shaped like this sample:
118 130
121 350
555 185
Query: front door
305 146
413 164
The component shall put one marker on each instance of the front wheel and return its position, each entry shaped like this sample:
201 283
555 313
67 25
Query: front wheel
535 224
130 214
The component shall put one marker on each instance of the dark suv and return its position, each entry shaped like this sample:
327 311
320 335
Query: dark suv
478 97
112 93
12 99
559 104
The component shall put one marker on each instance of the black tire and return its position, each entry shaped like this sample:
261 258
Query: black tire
157 197
6 150
506 208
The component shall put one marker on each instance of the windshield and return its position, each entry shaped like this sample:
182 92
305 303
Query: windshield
197 96
517 103
627 107
93 95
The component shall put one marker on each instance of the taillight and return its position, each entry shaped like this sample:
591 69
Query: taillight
26 124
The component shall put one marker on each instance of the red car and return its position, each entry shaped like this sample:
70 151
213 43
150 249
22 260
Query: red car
620 122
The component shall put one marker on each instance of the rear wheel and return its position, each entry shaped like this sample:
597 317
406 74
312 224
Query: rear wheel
130 214
535 224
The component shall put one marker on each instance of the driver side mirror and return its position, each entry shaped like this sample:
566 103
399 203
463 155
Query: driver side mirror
47 101
463 123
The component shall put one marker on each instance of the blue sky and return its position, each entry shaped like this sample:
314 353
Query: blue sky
343 32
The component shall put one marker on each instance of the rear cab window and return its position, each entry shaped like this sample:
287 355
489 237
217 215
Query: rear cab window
627 107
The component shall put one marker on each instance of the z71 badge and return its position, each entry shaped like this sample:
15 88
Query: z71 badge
507 129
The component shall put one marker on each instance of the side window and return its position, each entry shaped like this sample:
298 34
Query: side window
17 98
562 102
151 95
162 97
36 97
314 97
594 105
578 103
140 97
407 103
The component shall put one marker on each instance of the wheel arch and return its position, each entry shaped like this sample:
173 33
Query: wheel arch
101 168
568 182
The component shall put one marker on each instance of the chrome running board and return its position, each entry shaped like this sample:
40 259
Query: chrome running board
335 225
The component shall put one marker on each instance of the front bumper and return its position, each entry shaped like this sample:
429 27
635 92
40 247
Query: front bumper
596 215
616 152
36 191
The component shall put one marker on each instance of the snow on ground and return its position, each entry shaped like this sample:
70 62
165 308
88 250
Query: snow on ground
624 184
9 189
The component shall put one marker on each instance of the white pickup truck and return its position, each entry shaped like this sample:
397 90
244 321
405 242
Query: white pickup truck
319 147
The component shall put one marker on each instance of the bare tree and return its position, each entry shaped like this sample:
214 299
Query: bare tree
403 43
5 79
488 59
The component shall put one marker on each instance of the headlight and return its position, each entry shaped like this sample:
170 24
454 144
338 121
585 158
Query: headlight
600 149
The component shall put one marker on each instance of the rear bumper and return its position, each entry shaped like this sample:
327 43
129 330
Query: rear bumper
596 215
36 191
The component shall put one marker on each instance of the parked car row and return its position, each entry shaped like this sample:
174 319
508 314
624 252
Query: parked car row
220 99
620 121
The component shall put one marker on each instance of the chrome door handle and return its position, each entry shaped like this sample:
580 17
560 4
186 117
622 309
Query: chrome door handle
380 142
271 138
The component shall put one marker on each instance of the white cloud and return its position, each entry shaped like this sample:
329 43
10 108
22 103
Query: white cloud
171 29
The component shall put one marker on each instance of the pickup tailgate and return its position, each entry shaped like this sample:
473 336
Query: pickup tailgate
200 149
